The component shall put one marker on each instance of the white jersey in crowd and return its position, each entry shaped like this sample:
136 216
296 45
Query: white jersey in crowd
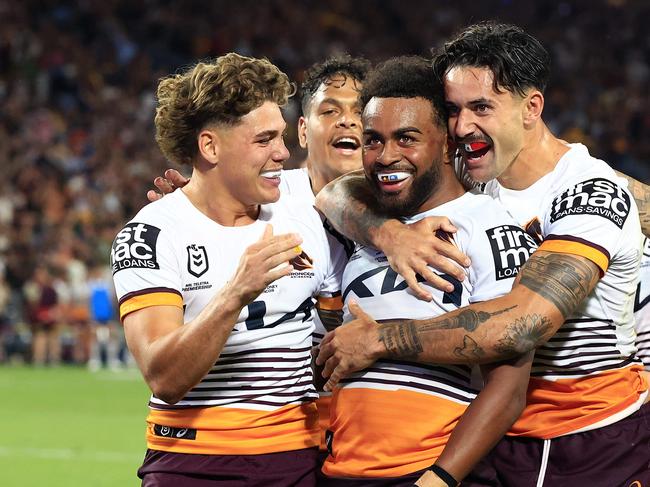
172 254
587 374
642 308
421 403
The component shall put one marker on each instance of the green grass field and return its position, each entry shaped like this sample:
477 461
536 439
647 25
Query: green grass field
68 427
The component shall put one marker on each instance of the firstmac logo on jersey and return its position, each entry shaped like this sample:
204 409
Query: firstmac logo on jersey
135 247
595 196
511 247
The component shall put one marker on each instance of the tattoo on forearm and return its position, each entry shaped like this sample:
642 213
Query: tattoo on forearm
524 335
470 351
641 194
349 207
467 319
400 339
357 222
562 279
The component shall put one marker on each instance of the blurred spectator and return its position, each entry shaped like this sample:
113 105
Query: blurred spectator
108 347
77 312
44 317
76 100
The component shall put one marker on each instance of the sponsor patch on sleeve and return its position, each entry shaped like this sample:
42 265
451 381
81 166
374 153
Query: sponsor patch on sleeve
511 247
135 247
597 196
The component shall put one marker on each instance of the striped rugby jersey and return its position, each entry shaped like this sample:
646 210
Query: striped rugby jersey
395 417
259 395
587 374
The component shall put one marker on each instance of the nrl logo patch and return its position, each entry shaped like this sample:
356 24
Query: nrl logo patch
197 260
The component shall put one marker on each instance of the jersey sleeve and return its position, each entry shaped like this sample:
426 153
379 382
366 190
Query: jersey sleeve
145 269
588 219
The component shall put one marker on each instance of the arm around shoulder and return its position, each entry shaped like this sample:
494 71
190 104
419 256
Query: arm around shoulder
350 206
549 288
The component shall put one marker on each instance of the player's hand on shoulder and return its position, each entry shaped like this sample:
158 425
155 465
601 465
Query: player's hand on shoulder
264 262
412 248
171 181
350 347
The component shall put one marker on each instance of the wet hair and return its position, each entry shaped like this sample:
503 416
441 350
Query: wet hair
218 93
517 60
355 68
406 77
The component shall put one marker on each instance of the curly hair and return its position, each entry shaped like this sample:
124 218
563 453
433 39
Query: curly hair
517 60
355 68
406 77
220 93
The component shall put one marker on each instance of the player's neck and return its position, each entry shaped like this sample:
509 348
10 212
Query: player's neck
215 201
539 156
448 189
317 178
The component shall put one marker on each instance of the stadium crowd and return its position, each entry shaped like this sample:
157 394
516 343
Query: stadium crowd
76 118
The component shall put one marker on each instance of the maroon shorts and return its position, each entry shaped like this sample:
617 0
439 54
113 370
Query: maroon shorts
404 481
284 469
617 455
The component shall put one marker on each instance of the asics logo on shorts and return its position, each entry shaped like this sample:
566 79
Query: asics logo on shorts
171 432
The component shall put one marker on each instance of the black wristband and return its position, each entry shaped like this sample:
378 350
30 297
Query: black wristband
445 476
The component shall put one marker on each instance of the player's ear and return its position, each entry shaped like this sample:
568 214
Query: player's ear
533 107
302 132
449 150
208 141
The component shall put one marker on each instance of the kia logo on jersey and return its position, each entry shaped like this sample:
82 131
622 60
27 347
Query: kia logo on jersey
135 247
511 247
596 196
197 260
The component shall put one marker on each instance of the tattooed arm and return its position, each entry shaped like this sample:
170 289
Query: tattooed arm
549 288
641 194
348 203
350 206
